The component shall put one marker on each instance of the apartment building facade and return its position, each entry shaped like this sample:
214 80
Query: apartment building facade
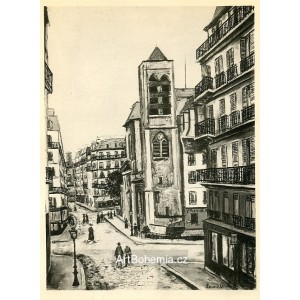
93 165
58 199
225 121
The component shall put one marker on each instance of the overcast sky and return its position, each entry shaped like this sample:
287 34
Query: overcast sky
94 54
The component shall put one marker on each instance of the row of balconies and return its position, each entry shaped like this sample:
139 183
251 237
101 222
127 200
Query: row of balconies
226 122
112 156
58 190
232 175
207 83
235 220
238 16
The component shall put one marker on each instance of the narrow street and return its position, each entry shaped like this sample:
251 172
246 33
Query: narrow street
136 276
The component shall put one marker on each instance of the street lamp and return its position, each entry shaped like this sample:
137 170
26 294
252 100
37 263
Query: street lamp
131 225
233 242
73 234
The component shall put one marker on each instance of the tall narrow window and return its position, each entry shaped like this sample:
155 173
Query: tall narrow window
211 111
235 154
233 102
230 58
160 146
224 156
222 107
226 202
213 158
192 198
236 204
219 65
194 219
247 45
250 206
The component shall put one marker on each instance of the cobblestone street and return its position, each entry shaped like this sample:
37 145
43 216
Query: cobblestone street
99 258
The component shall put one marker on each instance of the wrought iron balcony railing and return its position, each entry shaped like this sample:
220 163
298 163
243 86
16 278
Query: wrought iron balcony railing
249 223
205 127
226 218
58 190
220 79
233 175
247 63
238 221
231 73
238 16
48 79
248 113
223 123
205 84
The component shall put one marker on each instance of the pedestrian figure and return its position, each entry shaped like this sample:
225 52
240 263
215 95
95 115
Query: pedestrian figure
91 233
126 223
135 229
119 255
83 219
87 218
101 217
75 208
111 215
98 218
127 252
108 214
114 213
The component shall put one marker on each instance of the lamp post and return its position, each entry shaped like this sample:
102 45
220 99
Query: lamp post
73 234
233 242
131 225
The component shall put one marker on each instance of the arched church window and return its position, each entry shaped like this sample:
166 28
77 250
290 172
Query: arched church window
160 146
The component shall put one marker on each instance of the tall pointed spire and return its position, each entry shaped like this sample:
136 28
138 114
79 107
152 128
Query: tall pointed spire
157 55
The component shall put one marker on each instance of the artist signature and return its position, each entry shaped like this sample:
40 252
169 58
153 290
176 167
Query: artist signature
214 286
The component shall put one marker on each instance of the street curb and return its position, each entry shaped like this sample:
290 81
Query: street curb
183 278
86 207
137 243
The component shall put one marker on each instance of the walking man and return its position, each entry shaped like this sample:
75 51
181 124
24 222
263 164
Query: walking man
119 256
127 252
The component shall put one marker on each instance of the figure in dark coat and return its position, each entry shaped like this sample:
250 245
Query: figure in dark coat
83 219
119 255
126 223
98 218
87 218
127 253
101 217
135 229
111 215
91 233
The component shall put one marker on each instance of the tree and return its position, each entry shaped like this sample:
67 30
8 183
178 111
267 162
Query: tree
114 181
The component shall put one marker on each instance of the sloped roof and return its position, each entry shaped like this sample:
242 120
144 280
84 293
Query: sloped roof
157 55
134 114
183 96
218 11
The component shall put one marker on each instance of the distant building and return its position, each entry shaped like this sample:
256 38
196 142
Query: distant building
58 200
225 121
93 164
70 178
48 77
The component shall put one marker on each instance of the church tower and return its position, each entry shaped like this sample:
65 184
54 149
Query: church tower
160 142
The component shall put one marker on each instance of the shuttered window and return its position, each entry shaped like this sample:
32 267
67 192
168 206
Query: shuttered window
192 198
248 95
250 206
213 158
236 203
235 154
224 156
252 150
211 111
233 102
219 65
230 58
247 45
222 107
226 202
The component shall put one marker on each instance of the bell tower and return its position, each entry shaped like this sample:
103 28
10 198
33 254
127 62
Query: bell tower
160 142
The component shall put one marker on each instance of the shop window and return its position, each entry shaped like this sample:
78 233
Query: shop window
214 247
227 252
247 259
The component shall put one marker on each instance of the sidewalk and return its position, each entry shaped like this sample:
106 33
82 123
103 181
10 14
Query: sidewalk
118 223
196 277
61 273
